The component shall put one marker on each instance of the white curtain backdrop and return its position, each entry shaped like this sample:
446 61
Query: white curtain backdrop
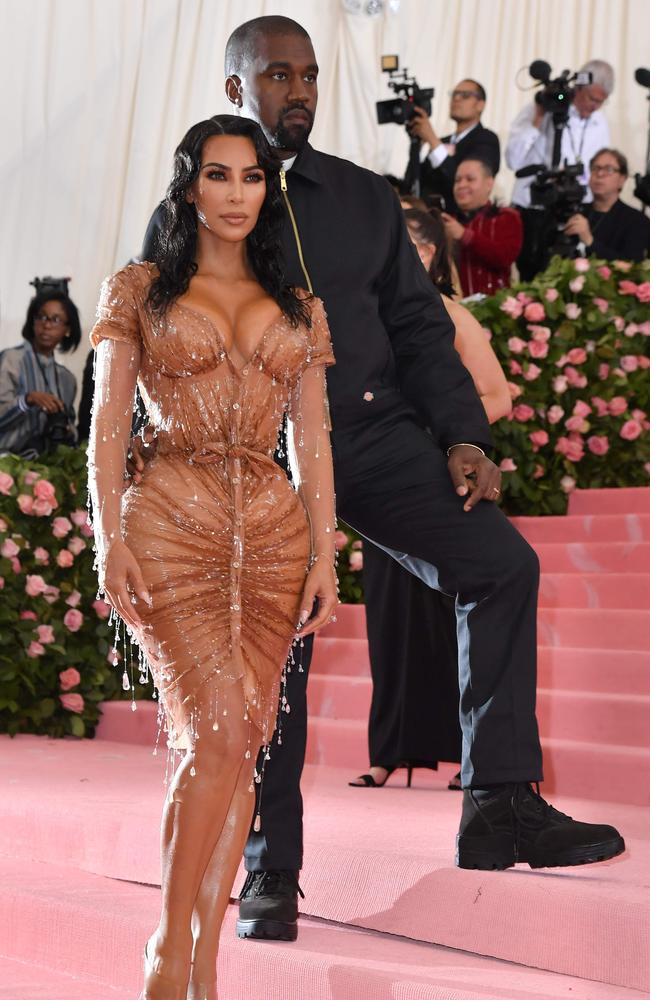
95 94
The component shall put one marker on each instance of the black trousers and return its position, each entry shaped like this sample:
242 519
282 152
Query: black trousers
414 666
478 558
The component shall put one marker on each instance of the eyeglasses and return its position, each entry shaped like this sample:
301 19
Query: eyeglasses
608 169
52 320
464 94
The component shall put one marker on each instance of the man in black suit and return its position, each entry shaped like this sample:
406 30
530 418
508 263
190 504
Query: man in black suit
469 141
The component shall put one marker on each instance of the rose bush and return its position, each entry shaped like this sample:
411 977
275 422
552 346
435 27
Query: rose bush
55 639
574 346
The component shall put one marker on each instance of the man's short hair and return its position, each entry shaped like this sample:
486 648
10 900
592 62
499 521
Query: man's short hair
240 47
480 89
621 160
602 74
487 168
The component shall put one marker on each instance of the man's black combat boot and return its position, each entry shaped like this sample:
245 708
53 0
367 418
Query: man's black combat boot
507 824
268 906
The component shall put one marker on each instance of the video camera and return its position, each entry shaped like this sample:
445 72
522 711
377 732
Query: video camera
400 110
51 285
556 95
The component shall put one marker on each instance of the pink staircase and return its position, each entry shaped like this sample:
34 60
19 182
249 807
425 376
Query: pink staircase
386 913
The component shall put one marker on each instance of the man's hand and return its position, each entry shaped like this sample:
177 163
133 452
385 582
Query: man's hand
45 401
421 127
453 228
485 484
579 226
142 450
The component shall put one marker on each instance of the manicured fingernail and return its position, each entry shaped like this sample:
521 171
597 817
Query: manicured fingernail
304 615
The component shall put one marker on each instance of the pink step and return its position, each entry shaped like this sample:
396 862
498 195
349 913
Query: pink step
585 527
595 590
594 557
622 500
71 813
585 770
29 981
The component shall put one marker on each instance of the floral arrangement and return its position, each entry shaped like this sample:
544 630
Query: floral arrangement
57 660
349 563
573 344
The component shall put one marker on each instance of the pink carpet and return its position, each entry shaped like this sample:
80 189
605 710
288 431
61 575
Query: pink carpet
387 916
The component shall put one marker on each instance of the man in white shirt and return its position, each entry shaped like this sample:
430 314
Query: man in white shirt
531 141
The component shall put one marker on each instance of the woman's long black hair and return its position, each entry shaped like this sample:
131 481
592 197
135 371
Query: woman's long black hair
430 228
176 243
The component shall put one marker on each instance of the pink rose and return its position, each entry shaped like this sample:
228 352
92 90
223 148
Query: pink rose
577 284
551 295
632 329
601 406
16 566
340 540
69 678
643 361
574 378
617 406
64 559
45 634
572 311
571 449
631 430
9 548
602 304
639 414
567 484
577 355
28 616
581 409
627 287
643 291
102 609
26 503
604 271
42 508
516 345
540 333
79 517
31 477
511 307
532 372
508 465
35 585
72 702
619 324
598 444
87 530
51 594
603 371
356 561
555 414
581 265
522 412
41 556
76 545
61 526
560 384
524 298
43 490
73 620
6 483
537 349
629 363
644 328
35 649
73 600
514 390
534 312
515 367
538 472
538 438
623 265
578 424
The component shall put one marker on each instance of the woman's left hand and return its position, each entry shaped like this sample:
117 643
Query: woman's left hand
321 585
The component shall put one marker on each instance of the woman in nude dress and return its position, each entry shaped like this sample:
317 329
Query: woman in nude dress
213 561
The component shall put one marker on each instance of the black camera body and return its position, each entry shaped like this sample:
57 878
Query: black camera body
559 190
399 110
556 96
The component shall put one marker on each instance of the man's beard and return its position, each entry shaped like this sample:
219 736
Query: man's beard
292 137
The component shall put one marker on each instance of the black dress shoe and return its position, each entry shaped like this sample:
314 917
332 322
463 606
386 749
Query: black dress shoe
512 823
268 906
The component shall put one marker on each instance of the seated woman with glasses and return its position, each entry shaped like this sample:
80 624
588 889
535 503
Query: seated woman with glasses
607 227
36 392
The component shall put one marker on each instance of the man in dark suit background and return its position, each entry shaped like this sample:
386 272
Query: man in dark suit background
470 140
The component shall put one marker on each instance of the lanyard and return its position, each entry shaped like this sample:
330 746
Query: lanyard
578 155
45 378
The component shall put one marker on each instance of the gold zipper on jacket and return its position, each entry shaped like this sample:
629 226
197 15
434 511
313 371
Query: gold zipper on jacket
283 187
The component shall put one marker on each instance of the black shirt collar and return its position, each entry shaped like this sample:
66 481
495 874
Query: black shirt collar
307 165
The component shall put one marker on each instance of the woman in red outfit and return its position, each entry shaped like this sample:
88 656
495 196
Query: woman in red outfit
486 239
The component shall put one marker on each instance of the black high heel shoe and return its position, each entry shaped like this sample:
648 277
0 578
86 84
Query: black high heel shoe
369 781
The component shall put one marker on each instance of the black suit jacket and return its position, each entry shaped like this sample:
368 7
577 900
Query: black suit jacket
480 144
397 370
623 233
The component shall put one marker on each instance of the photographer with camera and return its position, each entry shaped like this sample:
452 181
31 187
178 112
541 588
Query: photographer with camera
607 227
470 140
486 238
563 126
36 392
